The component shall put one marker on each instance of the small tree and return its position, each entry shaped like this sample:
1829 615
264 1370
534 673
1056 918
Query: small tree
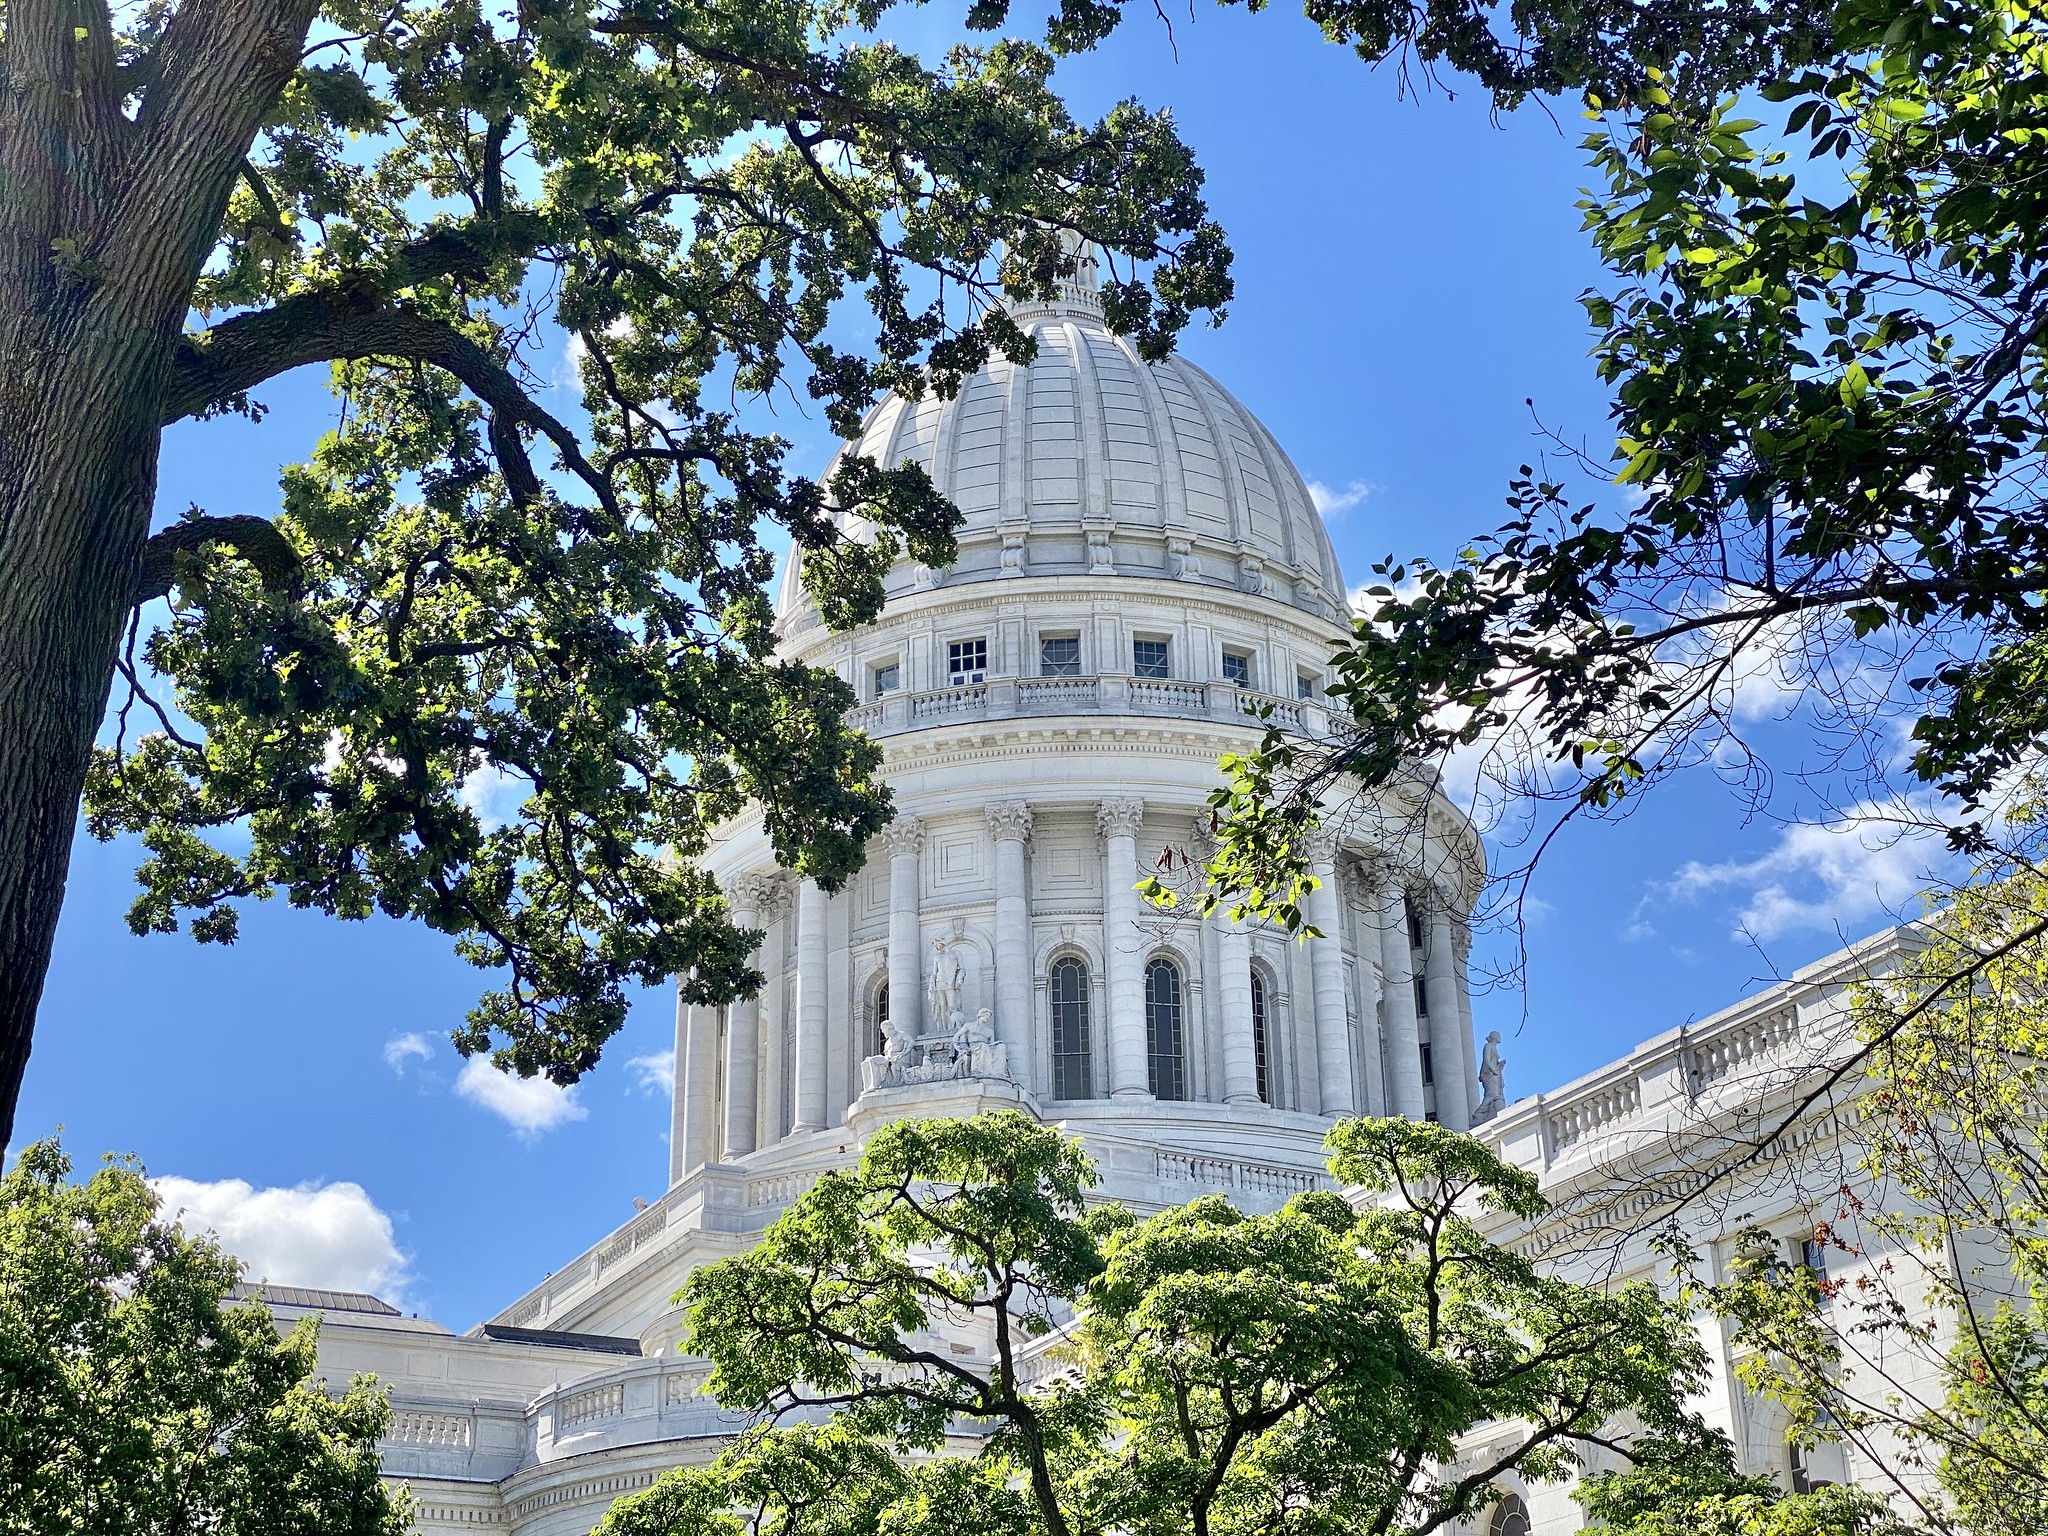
134 1401
1304 1372
1933 1358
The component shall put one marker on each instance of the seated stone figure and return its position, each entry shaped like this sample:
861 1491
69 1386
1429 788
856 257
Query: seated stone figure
899 1055
976 1052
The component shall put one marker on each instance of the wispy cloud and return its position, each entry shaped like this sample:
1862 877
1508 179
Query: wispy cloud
654 1072
1828 877
1332 503
332 1236
530 1105
400 1051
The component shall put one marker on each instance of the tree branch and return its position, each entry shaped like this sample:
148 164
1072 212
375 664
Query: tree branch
255 539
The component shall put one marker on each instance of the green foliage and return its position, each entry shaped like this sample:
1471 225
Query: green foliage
1825 336
138 1402
1302 1372
500 669
1688 1486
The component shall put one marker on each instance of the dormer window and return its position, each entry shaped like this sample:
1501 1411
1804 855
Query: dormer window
1237 669
967 662
1149 658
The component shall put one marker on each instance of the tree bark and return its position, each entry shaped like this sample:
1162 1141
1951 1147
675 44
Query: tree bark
105 221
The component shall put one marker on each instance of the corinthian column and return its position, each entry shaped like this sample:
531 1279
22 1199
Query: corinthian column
904 838
1118 821
1404 1037
751 896
1325 913
1010 826
810 1008
1240 1047
1450 1061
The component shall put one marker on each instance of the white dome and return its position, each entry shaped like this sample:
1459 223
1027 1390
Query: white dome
1091 460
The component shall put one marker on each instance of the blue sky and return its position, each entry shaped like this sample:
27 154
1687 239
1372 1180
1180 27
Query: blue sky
1407 274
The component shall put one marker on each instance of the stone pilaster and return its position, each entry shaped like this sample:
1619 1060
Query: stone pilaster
1009 825
1449 1039
750 896
1234 983
1123 954
1335 1093
1404 1034
904 838
811 973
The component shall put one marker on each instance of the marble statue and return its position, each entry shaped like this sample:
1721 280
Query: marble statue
976 1052
1493 1079
947 981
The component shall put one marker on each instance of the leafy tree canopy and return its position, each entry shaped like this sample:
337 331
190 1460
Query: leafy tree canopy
1825 332
139 1402
1688 1486
1209 1371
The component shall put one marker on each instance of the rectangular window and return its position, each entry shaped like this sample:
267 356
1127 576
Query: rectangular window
1421 998
1304 686
1149 658
1414 929
1059 656
1813 1253
967 662
888 677
1237 669
1428 1066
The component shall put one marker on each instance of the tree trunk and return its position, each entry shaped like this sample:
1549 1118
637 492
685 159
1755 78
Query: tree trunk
105 221
77 477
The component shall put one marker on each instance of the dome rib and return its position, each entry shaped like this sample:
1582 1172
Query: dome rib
1089 436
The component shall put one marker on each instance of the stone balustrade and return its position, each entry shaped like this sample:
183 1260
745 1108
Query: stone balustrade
1009 698
1767 1045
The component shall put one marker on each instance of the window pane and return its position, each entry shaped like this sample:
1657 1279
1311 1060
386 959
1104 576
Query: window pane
1059 656
887 679
1148 658
1304 686
967 661
1237 669
1166 1059
1071 1078
876 1044
1259 1036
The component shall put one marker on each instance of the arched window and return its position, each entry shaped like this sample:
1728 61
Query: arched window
1165 1055
1510 1518
877 1017
1068 985
1260 1059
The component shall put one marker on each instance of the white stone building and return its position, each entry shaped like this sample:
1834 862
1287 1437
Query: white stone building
1141 574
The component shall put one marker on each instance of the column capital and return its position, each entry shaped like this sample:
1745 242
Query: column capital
1119 818
1320 844
1461 942
760 896
1010 821
903 837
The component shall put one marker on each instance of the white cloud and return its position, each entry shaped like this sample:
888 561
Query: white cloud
493 795
530 1105
402 1049
654 1072
1333 504
332 1236
1830 877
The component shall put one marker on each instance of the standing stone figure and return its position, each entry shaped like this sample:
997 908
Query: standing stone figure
1493 1079
947 980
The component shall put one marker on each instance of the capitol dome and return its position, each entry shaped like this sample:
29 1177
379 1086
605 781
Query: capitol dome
1089 459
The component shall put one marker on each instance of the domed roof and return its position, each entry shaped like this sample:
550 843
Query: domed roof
1091 460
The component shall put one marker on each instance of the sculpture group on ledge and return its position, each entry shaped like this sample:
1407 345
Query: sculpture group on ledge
969 1049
